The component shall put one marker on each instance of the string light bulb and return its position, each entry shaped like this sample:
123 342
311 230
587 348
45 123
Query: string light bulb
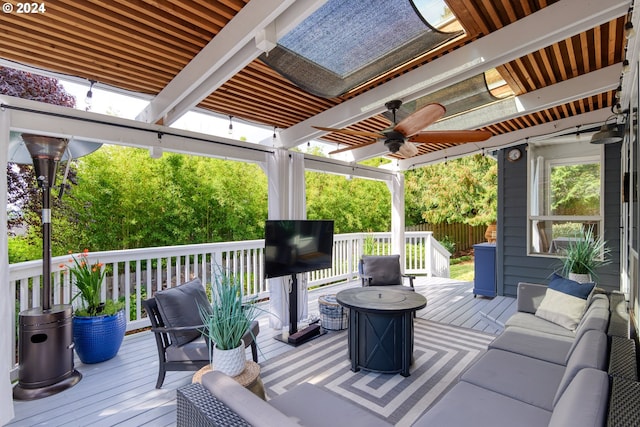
629 31
626 66
89 99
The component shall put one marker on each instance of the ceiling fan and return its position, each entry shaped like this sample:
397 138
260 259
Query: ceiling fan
400 137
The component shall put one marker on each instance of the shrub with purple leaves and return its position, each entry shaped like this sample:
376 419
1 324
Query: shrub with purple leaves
26 85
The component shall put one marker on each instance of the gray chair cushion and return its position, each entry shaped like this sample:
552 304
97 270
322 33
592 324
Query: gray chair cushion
382 269
196 349
467 405
584 402
180 307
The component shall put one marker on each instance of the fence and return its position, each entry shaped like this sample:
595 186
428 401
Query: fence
463 235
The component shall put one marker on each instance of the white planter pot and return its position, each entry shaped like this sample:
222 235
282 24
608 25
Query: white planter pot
580 278
230 362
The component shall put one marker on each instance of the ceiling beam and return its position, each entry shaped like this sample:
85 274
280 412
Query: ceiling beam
551 24
232 49
53 120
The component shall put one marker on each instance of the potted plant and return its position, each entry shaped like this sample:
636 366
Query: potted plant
225 322
98 327
583 256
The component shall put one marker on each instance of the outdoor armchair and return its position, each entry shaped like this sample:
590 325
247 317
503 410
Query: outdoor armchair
174 314
383 270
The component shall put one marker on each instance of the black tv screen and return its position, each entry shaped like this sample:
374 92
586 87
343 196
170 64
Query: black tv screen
297 246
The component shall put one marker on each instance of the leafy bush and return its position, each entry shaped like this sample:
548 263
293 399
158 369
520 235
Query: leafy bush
449 244
23 84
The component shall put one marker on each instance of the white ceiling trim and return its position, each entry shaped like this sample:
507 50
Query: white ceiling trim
553 23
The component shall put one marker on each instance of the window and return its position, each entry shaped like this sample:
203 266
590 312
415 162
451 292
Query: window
565 198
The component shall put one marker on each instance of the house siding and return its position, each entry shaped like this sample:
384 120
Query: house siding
512 263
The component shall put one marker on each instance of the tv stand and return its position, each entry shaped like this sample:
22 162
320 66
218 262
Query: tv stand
296 337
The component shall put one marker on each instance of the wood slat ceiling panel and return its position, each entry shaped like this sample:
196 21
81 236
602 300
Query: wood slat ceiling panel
580 106
131 44
259 88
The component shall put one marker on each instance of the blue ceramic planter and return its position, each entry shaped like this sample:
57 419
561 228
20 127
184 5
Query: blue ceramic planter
98 338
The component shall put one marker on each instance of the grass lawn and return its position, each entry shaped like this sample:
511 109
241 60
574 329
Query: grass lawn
462 271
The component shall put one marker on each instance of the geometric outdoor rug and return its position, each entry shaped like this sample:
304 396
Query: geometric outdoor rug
441 353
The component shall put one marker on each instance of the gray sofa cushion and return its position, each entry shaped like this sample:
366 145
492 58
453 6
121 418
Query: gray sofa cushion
305 405
550 347
530 321
179 307
530 295
590 352
539 345
522 378
243 402
584 402
467 405
383 269
315 407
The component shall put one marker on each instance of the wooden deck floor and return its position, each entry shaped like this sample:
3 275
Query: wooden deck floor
122 390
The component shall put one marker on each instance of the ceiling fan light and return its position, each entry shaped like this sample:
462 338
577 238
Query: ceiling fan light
408 150
609 133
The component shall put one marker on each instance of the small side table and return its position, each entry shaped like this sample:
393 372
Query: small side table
249 378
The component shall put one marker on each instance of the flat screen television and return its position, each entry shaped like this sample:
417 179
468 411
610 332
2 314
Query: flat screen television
297 246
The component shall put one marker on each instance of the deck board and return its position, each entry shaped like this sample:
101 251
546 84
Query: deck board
122 391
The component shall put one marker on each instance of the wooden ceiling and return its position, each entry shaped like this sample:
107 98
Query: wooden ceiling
142 45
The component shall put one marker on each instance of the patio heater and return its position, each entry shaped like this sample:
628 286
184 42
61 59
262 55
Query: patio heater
45 350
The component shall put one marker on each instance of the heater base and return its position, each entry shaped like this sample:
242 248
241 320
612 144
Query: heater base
23 393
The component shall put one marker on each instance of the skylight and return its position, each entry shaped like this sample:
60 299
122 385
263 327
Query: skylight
348 42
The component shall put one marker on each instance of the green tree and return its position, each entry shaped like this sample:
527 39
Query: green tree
462 190
355 205
575 189
125 199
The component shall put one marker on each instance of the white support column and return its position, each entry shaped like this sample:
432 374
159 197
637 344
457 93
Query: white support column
7 311
396 186
287 200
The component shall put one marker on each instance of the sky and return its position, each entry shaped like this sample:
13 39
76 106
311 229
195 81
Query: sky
107 102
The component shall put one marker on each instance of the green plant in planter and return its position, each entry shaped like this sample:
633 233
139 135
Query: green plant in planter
585 255
229 317
88 278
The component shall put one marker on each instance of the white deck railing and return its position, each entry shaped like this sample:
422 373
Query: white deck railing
138 273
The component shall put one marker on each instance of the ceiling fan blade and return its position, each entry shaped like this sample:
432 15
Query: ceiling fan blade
353 147
419 120
451 136
350 132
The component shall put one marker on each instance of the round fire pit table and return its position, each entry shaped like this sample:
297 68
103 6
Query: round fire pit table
381 328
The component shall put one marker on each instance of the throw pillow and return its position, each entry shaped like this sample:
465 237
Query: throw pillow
565 302
180 307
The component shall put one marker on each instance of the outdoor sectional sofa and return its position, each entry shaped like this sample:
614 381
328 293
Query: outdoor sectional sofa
536 373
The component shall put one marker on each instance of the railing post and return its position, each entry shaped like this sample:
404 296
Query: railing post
430 255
